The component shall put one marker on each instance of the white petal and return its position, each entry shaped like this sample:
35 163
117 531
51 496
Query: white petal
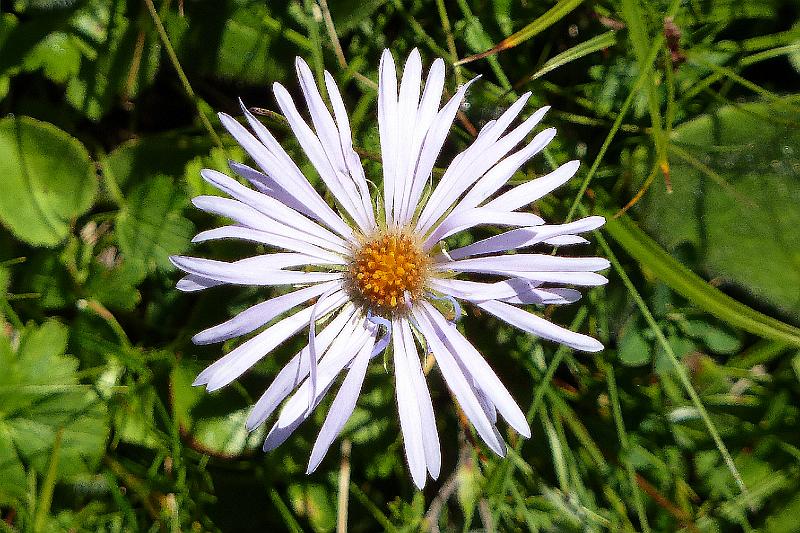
525 263
566 240
434 140
341 408
531 323
263 270
352 160
252 218
482 155
430 435
256 316
294 411
267 185
271 239
234 364
502 172
511 291
407 407
297 368
277 164
388 128
269 206
487 380
192 283
478 216
525 237
458 384
534 189
426 114
407 104
339 187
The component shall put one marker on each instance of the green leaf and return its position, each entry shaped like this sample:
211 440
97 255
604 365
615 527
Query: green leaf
48 180
688 284
734 200
121 58
633 349
210 427
40 396
150 226
717 337
137 160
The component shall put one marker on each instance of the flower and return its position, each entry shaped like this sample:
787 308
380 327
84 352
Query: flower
377 271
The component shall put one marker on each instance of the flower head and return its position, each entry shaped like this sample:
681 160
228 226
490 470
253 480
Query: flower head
366 273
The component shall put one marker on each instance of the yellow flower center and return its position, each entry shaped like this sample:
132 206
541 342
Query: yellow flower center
386 269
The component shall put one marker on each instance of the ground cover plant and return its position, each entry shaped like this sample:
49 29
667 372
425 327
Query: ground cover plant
684 115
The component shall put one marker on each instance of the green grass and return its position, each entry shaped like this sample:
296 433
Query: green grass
684 113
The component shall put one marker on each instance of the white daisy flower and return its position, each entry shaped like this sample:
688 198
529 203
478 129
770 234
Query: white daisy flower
365 274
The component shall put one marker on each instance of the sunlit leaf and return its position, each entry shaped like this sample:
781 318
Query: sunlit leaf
48 180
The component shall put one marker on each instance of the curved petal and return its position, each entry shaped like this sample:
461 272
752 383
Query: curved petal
234 364
262 270
256 316
476 365
525 237
407 407
458 384
534 189
342 407
297 368
521 319
480 216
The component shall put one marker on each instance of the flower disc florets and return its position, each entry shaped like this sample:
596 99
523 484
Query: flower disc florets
387 271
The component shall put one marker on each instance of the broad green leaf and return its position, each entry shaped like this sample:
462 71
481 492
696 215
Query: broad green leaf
314 502
150 226
736 188
121 56
39 396
138 160
688 284
633 349
215 430
48 180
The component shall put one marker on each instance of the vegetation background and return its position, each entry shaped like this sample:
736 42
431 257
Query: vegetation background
689 420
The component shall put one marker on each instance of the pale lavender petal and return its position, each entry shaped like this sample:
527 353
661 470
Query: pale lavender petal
533 190
566 240
316 154
271 239
483 154
352 160
256 316
341 408
267 185
252 218
407 407
297 368
269 206
525 263
515 290
407 104
426 114
531 323
477 366
434 140
502 172
525 237
259 270
277 164
458 385
430 435
479 216
388 128
192 283
234 364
